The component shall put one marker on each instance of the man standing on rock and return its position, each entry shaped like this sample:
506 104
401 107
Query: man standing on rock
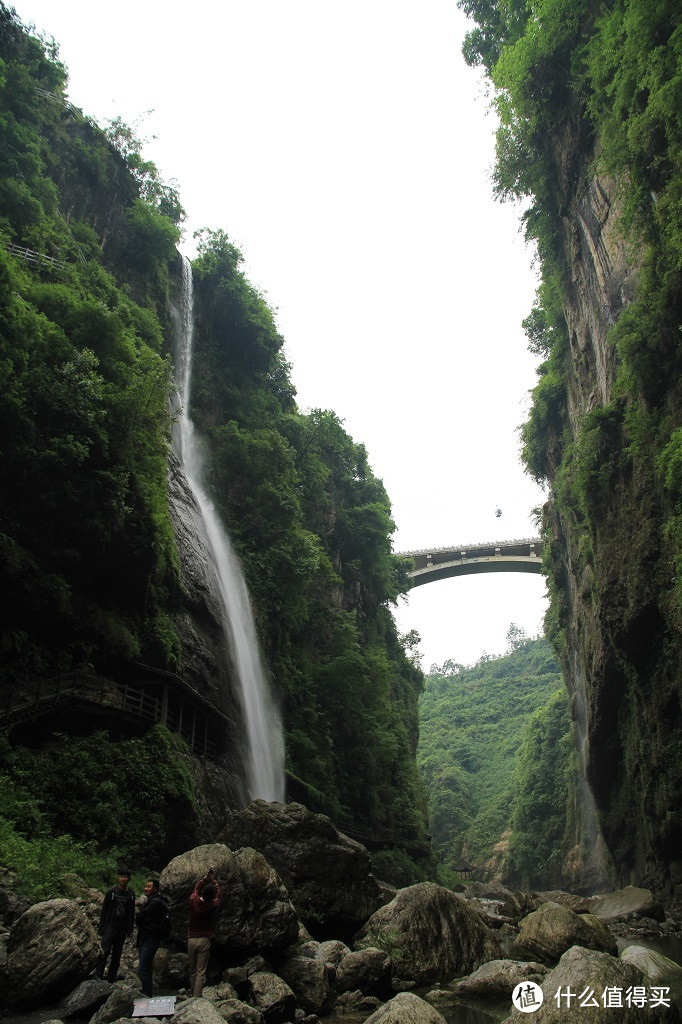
203 904
151 917
116 923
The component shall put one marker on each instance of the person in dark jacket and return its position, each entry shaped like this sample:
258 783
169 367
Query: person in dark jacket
203 903
116 923
150 921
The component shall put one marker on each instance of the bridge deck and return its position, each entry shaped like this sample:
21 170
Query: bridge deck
461 560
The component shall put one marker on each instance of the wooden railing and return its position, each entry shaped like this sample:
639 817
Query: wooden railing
166 700
31 256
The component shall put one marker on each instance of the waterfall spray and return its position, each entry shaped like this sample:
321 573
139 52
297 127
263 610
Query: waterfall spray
265 747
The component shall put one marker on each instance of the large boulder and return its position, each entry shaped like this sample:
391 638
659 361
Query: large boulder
655 966
430 935
52 947
121 1003
406 1008
495 899
327 874
197 1011
236 1012
171 969
552 929
256 914
89 995
331 952
365 969
591 987
628 902
311 981
272 996
578 904
498 978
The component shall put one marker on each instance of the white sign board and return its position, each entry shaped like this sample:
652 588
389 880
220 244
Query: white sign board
157 1006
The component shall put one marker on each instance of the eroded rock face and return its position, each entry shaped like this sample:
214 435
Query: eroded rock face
499 978
430 934
52 947
256 914
406 1008
327 874
552 929
590 973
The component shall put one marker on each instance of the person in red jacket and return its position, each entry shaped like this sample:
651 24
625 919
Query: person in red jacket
203 903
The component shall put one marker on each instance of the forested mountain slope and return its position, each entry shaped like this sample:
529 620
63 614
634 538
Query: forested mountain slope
589 95
91 580
497 755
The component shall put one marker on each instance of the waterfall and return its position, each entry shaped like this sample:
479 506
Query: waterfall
264 741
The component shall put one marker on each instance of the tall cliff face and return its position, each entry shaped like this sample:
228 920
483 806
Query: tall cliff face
588 95
611 566
611 551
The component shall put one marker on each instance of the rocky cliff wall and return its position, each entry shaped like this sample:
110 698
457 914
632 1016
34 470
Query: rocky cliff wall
617 628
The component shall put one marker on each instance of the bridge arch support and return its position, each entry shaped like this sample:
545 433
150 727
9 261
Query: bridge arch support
464 560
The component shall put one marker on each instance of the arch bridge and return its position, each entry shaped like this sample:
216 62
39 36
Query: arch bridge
433 564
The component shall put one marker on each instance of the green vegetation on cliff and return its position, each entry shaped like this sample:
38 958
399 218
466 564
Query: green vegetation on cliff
496 754
89 570
589 96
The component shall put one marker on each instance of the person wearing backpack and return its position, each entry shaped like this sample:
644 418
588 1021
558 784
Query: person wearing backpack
203 903
152 927
115 923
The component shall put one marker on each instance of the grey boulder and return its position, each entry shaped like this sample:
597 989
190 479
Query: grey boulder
366 969
552 929
272 996
430 935
588 974
498 979
406 1008
256 914
327 874
626 902
51 948
89 995
654 965
197 1011
311 981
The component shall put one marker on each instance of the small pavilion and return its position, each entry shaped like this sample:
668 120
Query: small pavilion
465 869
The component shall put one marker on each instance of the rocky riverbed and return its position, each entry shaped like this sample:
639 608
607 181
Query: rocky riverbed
306 932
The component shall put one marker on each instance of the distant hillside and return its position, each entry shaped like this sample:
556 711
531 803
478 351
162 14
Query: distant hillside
495 752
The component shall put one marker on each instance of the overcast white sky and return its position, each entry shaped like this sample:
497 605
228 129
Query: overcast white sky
346 148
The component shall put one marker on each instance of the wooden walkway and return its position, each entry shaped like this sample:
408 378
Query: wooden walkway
156 697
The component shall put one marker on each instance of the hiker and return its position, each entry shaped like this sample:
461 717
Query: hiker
203 903
115 923
151 926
